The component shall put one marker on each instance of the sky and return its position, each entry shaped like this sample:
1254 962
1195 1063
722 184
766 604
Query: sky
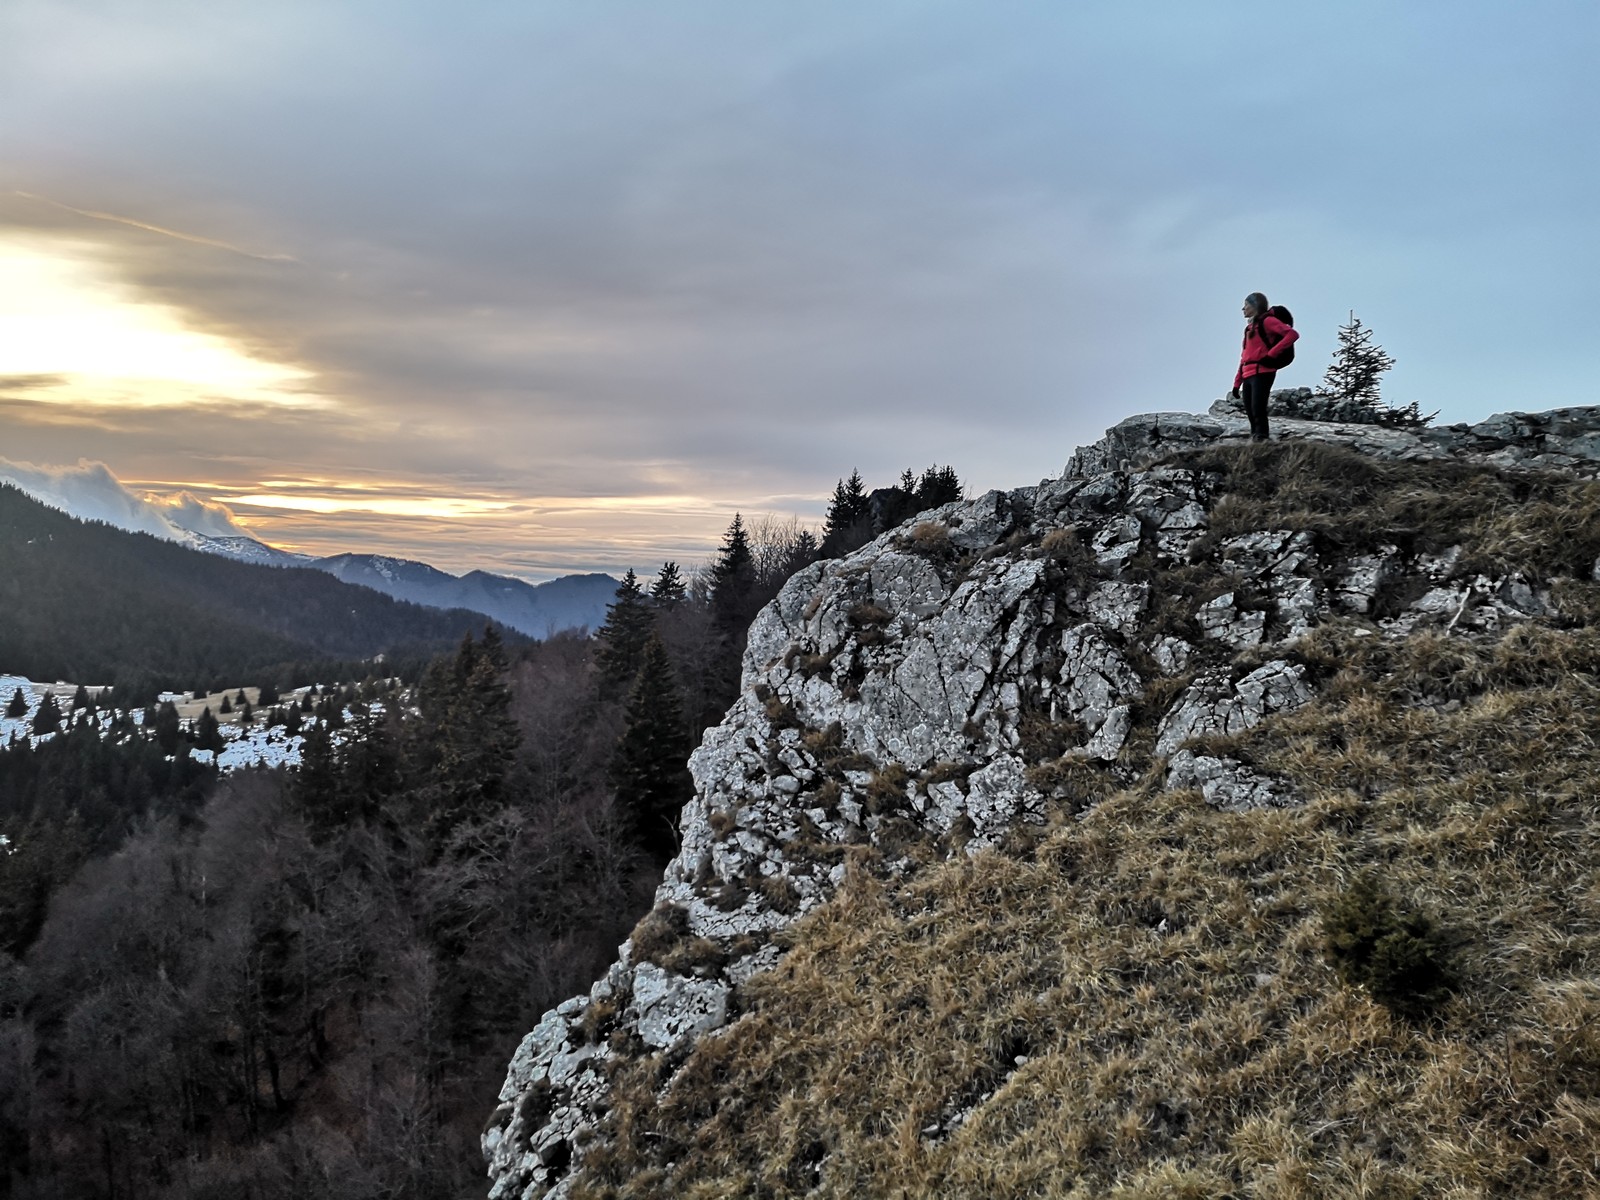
546 287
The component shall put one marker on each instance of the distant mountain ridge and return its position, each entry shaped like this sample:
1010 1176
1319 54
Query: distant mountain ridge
241 549
86 600
538 610
91 492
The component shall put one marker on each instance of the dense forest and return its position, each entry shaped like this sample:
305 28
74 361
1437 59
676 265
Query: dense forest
86 601
308 983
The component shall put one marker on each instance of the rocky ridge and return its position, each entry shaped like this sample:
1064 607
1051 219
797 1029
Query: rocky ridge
961 677
1563 439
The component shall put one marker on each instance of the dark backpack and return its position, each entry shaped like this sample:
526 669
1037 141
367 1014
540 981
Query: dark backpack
1273 362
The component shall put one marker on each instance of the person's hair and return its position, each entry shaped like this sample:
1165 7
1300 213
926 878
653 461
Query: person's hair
1258 302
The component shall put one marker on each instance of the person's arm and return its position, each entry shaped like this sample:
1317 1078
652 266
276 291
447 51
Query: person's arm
1287 335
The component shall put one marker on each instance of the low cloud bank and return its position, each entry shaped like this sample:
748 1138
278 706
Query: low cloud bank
91 492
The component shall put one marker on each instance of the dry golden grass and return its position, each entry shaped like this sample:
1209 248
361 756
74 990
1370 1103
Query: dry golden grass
930 538
1140 1007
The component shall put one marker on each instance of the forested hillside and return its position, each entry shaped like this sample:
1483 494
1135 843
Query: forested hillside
85 601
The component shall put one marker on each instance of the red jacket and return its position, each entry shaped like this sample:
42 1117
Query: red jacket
1256 348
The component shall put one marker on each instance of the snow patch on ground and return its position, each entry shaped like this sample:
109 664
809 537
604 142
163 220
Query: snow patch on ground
246 746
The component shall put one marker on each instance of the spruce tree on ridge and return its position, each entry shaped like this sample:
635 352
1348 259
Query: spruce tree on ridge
733 579
848 518
649 768
669 588
628 626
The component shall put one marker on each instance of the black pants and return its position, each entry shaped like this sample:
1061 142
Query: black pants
1255 391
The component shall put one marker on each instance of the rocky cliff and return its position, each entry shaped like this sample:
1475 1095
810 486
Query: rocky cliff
968 682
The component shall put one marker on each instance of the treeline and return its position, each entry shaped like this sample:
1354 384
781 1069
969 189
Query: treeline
86 601
308 984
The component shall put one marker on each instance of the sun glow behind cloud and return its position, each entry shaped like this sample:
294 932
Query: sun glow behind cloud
69 322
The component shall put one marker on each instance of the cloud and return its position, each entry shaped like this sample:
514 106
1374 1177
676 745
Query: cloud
91 492
36 381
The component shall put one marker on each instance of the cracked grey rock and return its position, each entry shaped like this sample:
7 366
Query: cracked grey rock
1365 576
1222 622
1565 439
1172 655
1439 566
1118 605
998 799
1226 783
1141 439
1214 705
1269 552
670 1008
1167 501
981 523
1118 541
1094 676
1108 740
1296 604
1520 598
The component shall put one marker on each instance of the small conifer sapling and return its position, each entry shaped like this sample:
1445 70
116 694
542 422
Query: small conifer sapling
1355 375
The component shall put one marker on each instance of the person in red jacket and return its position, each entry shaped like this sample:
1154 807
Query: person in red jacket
1264 334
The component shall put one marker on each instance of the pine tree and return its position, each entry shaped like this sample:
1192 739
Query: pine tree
226 706
669 588
241 699
649 768
938 485
803 553
622 638
80 698
247 715
733 578
19 705
208 734
316 791
369 767
849 520
167 727
268 696
48 717
469 737
1356 366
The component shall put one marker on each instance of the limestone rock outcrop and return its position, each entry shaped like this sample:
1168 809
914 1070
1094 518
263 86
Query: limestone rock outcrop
1564 439
935 685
